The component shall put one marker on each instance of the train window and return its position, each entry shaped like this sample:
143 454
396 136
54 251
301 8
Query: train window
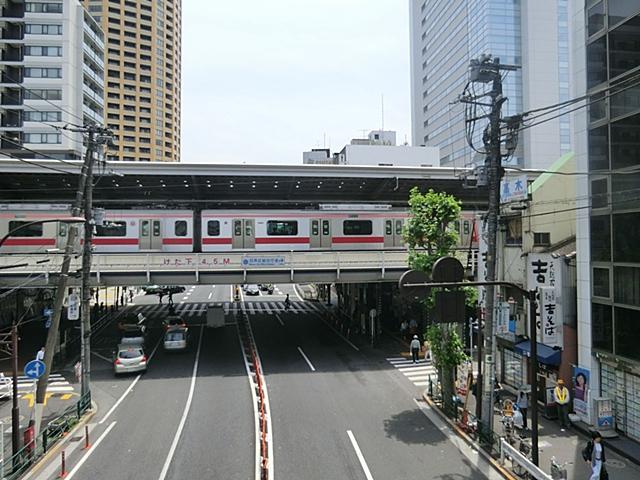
456 226
156 228
466 227
144 228
325 227
237 228
388 227
213 228
181 228
24 229
112 229
282 227
357 227
62 230
398 227
315 228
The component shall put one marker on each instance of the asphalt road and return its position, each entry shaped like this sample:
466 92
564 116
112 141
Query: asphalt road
353 413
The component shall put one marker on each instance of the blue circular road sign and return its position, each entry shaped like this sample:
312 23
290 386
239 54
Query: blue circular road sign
34 369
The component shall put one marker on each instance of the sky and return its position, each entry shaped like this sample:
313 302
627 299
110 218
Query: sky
263 81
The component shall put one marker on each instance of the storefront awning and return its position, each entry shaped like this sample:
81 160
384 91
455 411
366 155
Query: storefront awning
546 354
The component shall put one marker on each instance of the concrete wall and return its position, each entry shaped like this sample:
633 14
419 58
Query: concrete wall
388 155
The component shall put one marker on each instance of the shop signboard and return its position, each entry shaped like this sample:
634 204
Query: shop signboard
543 270
581 391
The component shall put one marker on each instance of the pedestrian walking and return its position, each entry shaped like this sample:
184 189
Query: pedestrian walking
427 351
170 298
523 405
40 355
561 397
413 326
287 302
404 327
415 348
161 295
595 457
130 296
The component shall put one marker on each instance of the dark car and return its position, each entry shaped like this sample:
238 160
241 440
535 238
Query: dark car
172 289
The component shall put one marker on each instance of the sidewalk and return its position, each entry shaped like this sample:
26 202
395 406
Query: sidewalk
623 454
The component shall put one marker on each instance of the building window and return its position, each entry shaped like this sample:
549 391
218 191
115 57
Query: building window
625 142
601 327
49 138
514 231
512 371
626 285
51 7
43 94
42 29
541 239
357 227
627 332
282 227
112 229
43 72
626 237
600 238
601 282
46 51
599 148
30 231
621 9
599 193
597 62
31 116
595 19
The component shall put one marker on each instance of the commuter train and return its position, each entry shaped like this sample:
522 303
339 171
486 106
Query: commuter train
218 230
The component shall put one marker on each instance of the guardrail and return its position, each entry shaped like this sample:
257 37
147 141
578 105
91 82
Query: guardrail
15 466
527 465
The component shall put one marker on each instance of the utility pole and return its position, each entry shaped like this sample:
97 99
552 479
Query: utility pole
61 289
487 70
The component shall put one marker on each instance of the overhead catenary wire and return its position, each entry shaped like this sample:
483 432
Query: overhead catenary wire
35 152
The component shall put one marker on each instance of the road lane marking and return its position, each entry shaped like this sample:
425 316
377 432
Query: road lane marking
108 360
183 420
295 290
416 369
363 462
279 319
313 369
90 451
210 295
128 390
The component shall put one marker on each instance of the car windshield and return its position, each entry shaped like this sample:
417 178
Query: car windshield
174 336
132 353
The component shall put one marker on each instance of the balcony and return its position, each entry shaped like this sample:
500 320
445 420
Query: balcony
12 31
12 54
13 10
11 119
11 97
12 75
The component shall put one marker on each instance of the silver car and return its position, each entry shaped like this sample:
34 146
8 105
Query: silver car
129 359
175 338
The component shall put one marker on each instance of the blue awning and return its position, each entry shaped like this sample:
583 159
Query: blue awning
546 354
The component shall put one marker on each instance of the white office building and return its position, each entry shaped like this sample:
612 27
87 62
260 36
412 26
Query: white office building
446 34
52 70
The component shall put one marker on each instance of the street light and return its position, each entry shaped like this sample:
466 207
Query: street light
15 410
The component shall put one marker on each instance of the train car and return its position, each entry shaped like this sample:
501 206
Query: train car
279 230
145 231
30 236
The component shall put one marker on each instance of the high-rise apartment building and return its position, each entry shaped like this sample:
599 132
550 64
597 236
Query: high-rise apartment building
52 70
142 76
446 34
607 68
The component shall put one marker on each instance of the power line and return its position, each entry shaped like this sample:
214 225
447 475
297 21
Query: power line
36 164
35 152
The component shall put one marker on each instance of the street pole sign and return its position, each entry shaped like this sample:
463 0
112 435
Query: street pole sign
34 369
73 310
47 313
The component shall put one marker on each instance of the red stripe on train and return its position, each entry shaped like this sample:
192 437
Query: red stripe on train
177 241
21 242
114 241
357 239
216 241
285 240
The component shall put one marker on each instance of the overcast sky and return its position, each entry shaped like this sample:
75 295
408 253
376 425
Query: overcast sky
262 81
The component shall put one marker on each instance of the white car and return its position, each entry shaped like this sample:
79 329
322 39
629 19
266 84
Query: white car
253 290
130 359
176 338
6 387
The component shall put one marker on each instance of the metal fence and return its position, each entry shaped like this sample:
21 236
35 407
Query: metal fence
15 466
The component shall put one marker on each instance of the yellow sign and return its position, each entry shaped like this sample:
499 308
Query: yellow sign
31 398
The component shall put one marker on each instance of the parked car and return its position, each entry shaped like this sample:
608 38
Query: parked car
129 359
176 338
252 290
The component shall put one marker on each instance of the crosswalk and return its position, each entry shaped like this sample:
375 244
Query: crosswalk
418 373
57 384
252 308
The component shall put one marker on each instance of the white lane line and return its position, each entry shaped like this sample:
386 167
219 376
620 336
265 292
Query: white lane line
279 319
391 359
363 462
335 331
415 369
108 360
183 420
231 293
210 295
421 384
128 390
313 369
295 290
90 451
418 378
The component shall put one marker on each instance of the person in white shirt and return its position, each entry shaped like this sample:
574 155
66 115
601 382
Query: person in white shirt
40 355
415 348
597 460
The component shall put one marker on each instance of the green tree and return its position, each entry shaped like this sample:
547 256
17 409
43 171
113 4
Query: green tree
429 236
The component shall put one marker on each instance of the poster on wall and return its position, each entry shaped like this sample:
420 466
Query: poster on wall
581 391
543 270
